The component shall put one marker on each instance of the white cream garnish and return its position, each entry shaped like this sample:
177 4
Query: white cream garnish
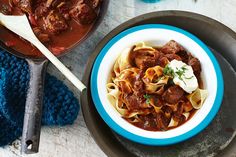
183 76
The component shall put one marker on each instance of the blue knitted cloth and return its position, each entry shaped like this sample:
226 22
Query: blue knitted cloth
60 107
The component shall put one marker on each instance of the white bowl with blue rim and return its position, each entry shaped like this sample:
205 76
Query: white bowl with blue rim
157 35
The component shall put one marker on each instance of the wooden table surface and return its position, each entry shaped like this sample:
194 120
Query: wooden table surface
75 140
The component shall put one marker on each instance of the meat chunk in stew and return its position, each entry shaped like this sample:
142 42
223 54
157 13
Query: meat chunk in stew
64 9
196 65
172 47
5 9
83 13
171 57
163 61
144 58
173 94
49 3
162 121
95 3
179 118
55 23
24 5
41 10
43 37
184 56
133 102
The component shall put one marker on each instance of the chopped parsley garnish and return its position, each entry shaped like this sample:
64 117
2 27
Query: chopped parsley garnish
188 77
168 71
180 73
147 97
183 68
158 79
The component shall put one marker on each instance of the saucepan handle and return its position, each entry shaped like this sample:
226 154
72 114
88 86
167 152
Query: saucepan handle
33 109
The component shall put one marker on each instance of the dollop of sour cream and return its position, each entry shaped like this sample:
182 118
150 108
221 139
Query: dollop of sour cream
183 76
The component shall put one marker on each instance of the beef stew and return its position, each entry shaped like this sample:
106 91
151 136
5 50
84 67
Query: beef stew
58 24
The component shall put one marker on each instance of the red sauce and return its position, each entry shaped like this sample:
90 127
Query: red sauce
153 126
63 41
149 108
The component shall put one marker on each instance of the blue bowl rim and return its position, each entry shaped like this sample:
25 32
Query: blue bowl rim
154 141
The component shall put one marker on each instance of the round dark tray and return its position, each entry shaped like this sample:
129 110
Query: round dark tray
211 141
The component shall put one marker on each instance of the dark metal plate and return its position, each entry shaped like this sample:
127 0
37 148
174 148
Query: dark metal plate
218 135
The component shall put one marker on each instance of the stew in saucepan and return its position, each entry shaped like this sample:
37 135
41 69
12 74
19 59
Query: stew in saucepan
59 24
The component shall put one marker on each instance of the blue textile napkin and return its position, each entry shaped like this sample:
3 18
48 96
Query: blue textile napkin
60 107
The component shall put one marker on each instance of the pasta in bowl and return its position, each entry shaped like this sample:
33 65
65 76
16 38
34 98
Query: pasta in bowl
156 84
155 88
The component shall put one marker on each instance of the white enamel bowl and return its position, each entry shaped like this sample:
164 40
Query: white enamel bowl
157 35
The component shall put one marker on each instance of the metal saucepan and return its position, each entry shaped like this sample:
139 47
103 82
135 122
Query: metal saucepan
34 100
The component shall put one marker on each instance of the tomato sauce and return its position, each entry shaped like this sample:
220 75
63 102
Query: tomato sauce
58 43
